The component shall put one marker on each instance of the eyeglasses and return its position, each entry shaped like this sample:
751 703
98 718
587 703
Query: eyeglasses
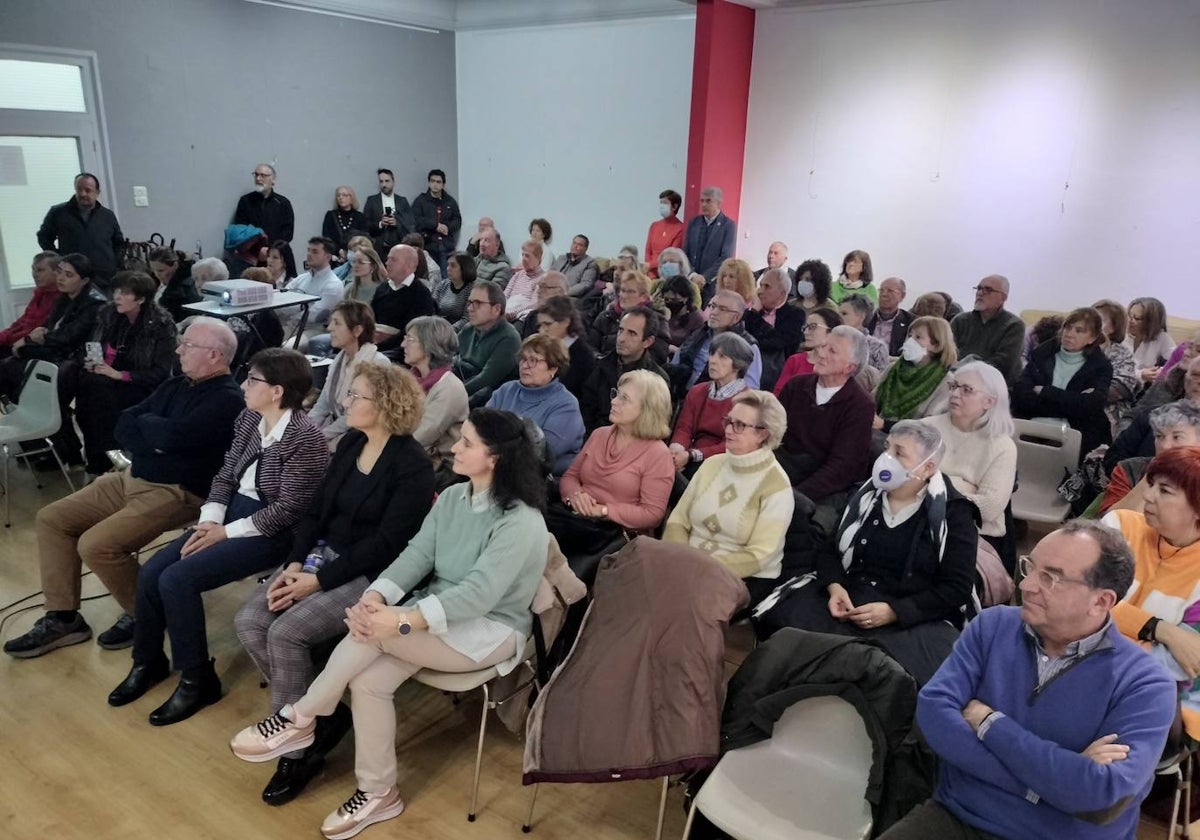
1045 580
814 327
472 304
531 361
967 390
738 426
257 379
614 395
262 174
191 345
351 396
726 309
988 290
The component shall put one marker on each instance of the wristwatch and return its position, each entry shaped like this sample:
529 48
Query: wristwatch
404 627
1149 631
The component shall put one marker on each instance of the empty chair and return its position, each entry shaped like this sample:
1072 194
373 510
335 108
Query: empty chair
1046 453
36 418
806 782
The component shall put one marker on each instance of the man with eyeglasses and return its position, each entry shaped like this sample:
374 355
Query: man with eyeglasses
264 208
725 314
1047 721
636 334
487 345
990 332
177 438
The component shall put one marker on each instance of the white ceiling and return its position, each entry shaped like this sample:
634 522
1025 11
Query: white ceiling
455 15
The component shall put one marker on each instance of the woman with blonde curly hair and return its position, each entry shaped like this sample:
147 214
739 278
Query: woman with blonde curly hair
737 276
376 493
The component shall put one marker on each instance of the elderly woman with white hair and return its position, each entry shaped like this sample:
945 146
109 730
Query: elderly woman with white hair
739 503
980 457
900 569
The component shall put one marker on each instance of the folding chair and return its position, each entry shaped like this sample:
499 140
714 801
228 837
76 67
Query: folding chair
1046 452
37 417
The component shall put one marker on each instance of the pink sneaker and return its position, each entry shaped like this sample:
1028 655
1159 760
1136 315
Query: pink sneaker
361 810
271 738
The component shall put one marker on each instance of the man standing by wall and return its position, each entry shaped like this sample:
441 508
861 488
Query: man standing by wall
389 217
437 218
83 225
711 238
266 209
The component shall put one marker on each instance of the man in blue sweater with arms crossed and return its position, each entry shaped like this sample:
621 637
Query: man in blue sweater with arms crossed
1047 721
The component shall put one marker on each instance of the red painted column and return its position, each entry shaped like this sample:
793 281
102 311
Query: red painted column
720 94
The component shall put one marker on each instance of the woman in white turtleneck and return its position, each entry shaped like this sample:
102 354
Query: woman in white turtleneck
739 503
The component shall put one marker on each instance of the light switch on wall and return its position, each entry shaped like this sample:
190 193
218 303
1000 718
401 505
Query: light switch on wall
141 198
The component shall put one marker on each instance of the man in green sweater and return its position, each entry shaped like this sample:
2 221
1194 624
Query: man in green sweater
990 332
487 345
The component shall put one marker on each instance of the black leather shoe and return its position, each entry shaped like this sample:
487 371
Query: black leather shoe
140 680
330 731
191 695
291 777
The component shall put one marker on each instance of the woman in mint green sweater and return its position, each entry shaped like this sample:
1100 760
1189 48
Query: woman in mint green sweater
485 543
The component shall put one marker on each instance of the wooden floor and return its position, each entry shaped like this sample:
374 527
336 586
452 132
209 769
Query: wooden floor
76 769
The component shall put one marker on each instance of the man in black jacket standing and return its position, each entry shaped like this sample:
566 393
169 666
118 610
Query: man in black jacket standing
84 226
264 208
389 217
438 220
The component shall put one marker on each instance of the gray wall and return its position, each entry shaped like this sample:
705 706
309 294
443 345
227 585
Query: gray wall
196 92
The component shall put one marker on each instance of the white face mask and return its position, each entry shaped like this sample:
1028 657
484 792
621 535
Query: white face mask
668 269
804 289
889 474
912 351
664 209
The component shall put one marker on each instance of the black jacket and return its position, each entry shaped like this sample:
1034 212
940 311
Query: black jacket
1136 441
594 397
99 238
602 334
900 324
386 238
681 371
331 227
429 212
1081 403
72 322
396 307
180 290
148 344
385 517
273 214
776 342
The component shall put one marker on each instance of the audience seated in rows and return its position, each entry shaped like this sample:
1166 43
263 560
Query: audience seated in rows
1069 378
635 337
401 298
815 332
855 277
343 220
814 282
990 332
488 345
664 232
980 456
775 324
350 330
559 318
136 341
690 364
739 503
175 287
1089 742
450 295
177 438
680 303
1174 424
856 310
376 493
620 483
901 567
268 481
890 323
492 264
633 289
578 267
538 396
429 347
484 546
1147 337
917 384
45 294
550 284
700 428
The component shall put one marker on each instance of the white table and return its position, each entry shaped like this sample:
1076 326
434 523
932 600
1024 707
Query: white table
280 300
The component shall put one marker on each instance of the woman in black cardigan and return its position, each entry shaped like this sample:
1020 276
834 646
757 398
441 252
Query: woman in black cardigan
375 495
1069 377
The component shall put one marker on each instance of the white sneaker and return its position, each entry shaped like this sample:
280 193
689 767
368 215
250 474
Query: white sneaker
361 810
271 738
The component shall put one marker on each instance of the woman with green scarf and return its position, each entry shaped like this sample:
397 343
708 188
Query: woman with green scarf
915 385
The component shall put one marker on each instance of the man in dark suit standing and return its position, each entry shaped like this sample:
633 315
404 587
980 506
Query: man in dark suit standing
389 217
266 209
890 323
710 238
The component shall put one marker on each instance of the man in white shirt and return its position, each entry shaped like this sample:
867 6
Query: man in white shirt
389 216
319 280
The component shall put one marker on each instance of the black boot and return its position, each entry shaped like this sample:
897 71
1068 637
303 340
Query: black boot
140 680
291 776
198 687
331 729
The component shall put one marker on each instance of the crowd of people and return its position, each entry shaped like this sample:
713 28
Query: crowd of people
848 459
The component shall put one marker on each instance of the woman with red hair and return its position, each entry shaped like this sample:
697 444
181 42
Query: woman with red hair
1163 605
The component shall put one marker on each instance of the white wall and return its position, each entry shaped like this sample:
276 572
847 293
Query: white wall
581 124
940 137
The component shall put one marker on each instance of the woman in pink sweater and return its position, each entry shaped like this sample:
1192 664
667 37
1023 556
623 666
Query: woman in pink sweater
621 480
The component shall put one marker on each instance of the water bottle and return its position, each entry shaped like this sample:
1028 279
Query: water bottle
315 559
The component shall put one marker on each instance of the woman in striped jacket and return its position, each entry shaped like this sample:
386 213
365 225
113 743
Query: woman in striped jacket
267 483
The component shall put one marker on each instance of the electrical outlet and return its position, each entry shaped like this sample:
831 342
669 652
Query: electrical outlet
141 198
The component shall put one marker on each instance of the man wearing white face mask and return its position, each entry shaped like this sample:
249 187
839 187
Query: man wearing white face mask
666 231
901 567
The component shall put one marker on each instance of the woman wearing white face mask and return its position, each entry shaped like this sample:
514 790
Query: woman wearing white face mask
916 386
666 231
901 568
